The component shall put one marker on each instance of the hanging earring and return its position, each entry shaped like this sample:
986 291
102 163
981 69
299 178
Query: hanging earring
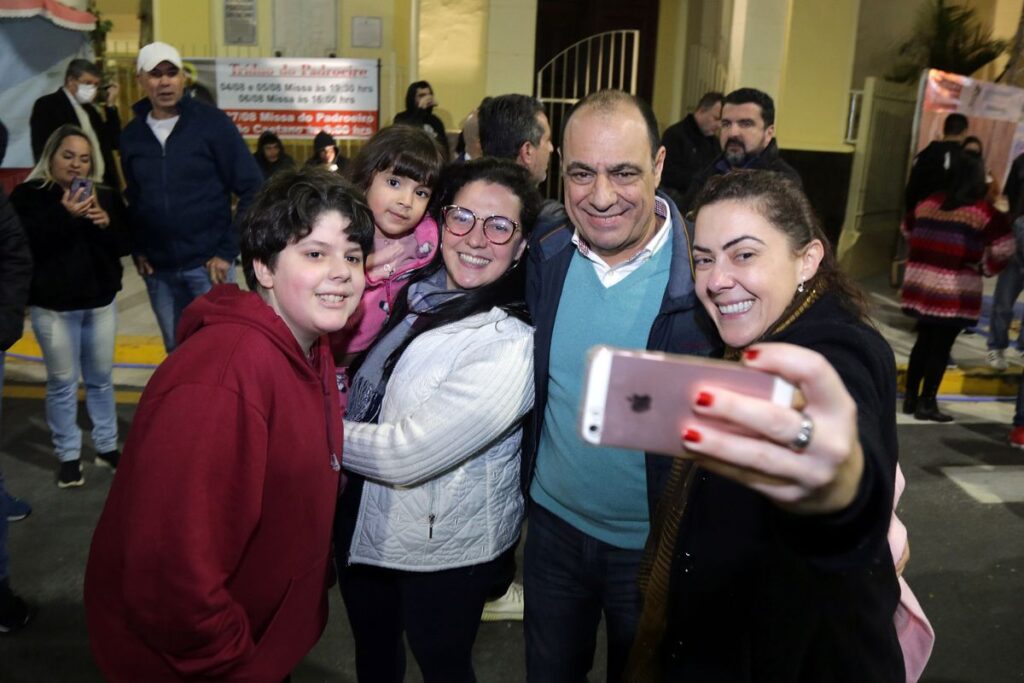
800 287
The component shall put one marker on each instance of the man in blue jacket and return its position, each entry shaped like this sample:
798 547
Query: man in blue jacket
619 274
182 161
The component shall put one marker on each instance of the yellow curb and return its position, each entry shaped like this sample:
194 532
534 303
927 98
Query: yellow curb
972 382
38 391
130 349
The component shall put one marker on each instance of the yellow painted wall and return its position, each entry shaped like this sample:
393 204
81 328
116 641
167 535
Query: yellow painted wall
453 46
184 24
196 28
670 62
511 38
813 96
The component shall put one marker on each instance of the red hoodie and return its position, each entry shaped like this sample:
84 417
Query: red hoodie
211 558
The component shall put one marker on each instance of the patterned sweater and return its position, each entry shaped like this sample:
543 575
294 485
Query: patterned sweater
949 253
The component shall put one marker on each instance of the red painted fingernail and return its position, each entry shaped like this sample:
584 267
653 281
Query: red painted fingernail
705 399
691 435
751 354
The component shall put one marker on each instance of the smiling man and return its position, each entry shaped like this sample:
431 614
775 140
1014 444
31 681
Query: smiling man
747 135
182 161
618 274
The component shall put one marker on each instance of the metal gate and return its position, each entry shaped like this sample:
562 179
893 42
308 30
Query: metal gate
868 241
602 61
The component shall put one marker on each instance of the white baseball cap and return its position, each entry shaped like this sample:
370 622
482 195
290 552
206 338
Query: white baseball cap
154 53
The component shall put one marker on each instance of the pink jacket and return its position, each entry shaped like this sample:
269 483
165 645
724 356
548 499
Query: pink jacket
913 628
387 268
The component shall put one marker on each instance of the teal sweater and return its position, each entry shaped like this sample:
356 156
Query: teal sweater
600 491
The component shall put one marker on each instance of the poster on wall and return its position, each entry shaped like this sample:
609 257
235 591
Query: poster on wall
239 22
995 113
295 98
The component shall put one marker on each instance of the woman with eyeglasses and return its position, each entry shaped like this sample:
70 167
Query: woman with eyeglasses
433 435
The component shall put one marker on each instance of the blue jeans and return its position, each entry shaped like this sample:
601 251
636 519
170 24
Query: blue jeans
78 343
1008 287
569 579
171 291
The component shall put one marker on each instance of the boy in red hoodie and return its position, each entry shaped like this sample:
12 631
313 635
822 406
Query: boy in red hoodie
212 556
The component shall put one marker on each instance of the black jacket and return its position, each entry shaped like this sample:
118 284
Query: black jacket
52 111
179 194
687 153
77 265
15 274
768 160
930 171
758 594
425 119
674 329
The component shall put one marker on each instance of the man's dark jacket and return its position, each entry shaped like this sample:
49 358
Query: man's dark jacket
179 197
674 329
15 274
52 111
768 160
687 152
930 172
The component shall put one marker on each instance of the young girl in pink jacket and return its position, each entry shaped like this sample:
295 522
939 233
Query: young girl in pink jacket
396 170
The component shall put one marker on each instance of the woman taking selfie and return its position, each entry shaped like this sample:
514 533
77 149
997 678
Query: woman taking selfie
433 434
77 235
768 558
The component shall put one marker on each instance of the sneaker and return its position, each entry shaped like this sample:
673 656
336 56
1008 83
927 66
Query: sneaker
70 474
15 614
1017 437
108 459
997 359
17 509
508 607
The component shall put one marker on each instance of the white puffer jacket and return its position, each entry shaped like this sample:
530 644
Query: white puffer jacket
442 465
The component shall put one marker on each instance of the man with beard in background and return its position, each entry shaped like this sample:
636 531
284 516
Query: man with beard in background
747 135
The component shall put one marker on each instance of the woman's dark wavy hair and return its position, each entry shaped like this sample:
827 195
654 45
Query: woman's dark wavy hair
507 292
405 150
287 206
966 182
783 204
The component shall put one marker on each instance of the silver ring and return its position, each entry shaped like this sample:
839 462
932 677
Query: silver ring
803 437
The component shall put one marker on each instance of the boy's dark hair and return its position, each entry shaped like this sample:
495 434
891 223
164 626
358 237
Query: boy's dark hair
506 122
407 151
709 100
608 101
754 96
77 67
955 124
286 208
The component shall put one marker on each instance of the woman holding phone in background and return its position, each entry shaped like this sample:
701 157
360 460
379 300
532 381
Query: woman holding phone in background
768 558
77 236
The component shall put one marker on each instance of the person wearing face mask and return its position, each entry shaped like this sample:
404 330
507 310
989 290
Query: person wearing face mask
74 104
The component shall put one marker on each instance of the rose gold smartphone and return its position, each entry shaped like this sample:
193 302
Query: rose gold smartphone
643 399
